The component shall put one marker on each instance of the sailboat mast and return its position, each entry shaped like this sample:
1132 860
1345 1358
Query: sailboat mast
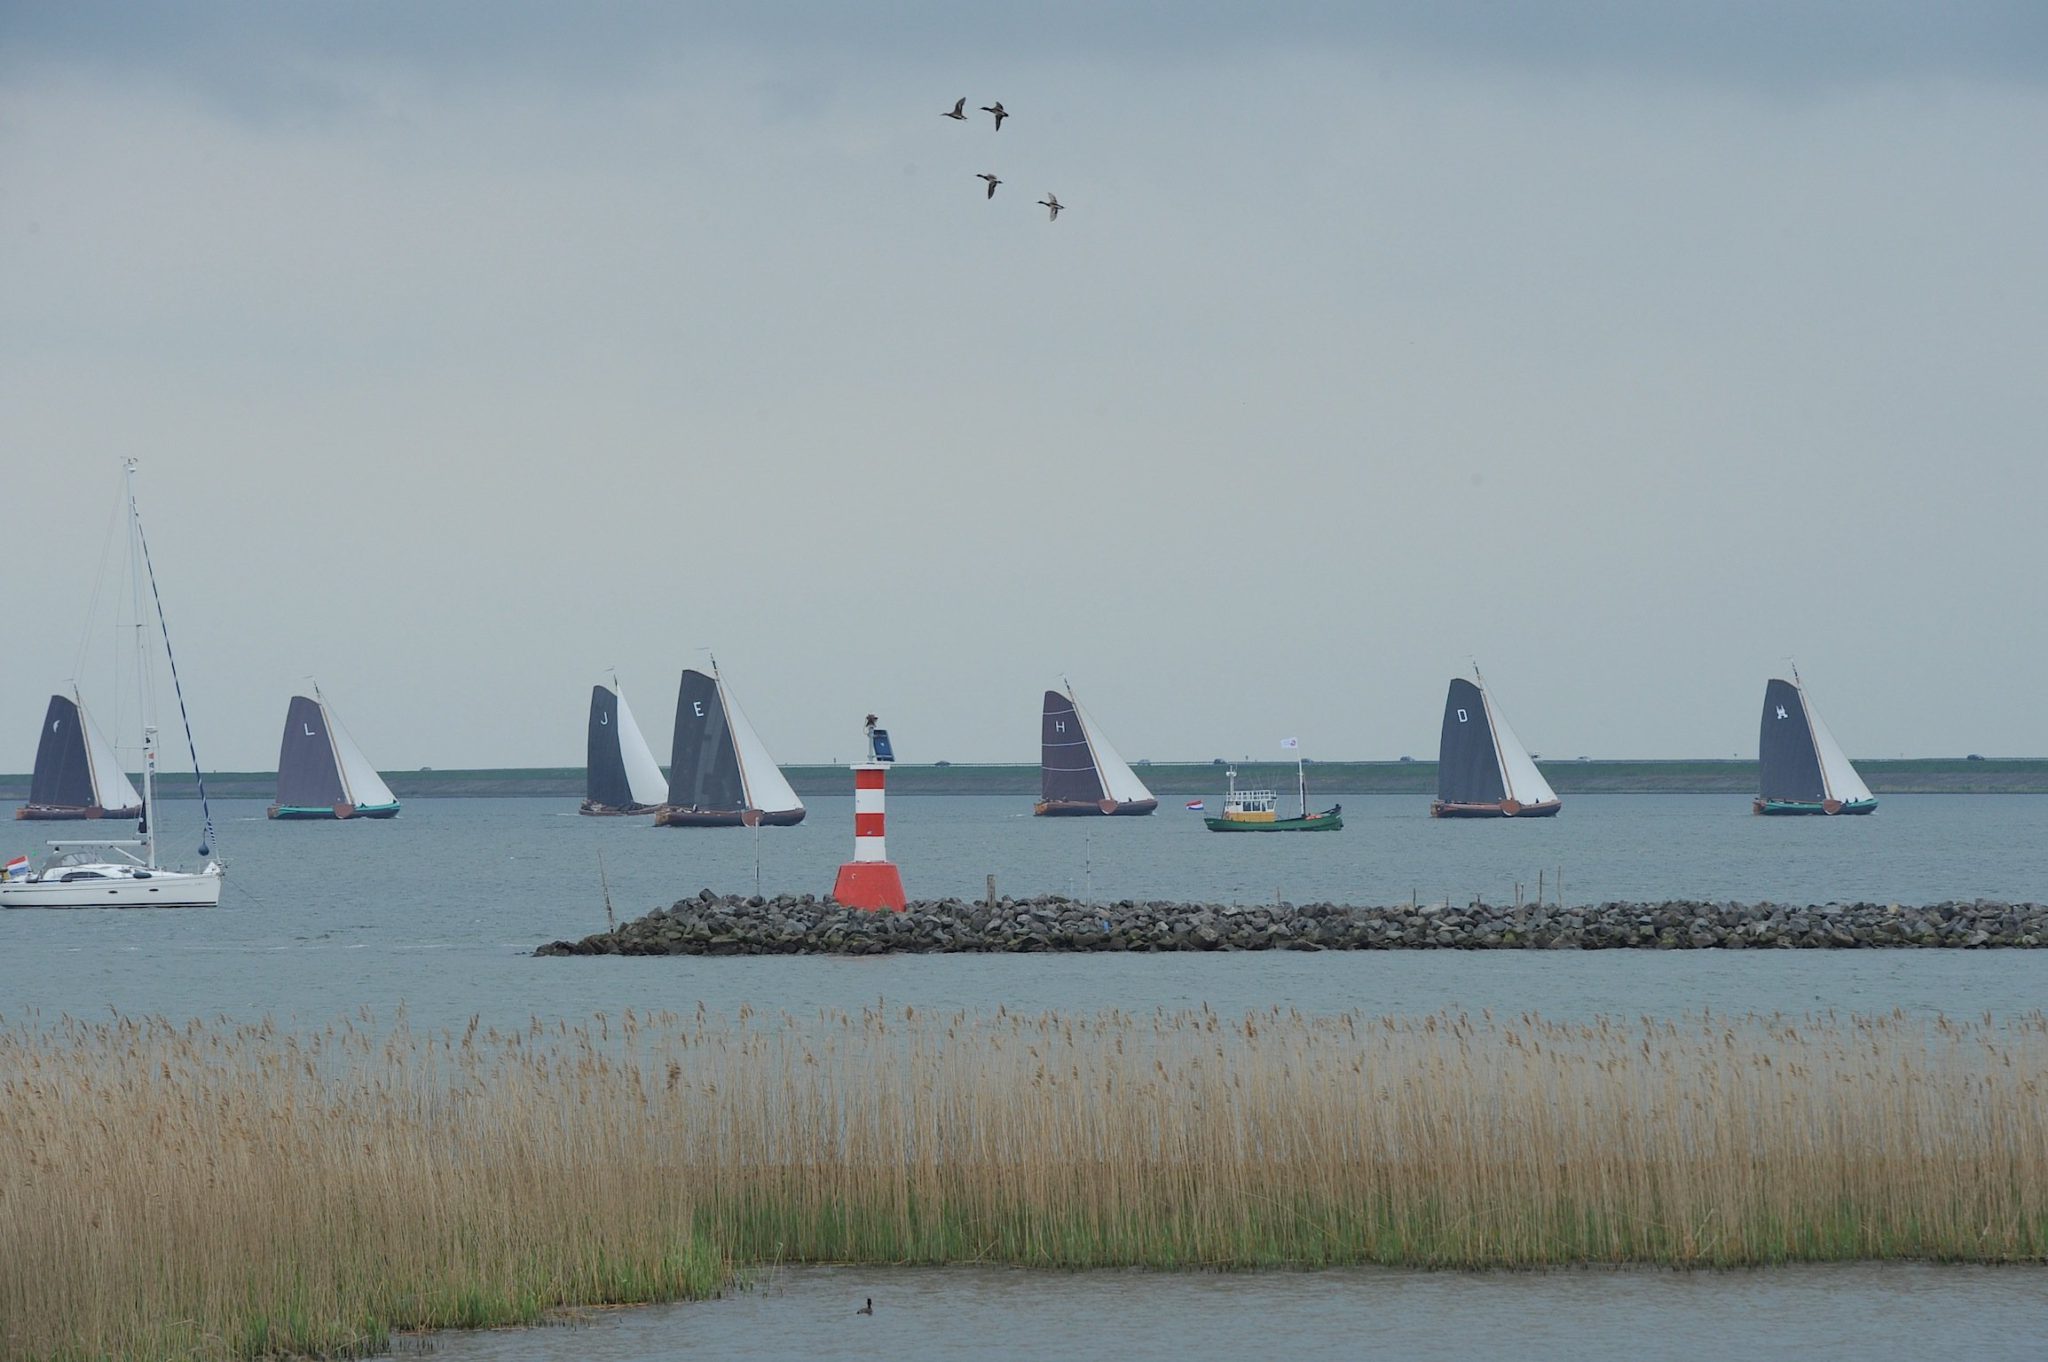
149 793
739 758
1301 780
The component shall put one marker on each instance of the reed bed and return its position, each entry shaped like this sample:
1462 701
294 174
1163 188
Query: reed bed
220 1190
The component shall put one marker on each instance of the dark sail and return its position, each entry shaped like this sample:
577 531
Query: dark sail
605 770
307 777
1468 762
704 766
1788 766
1067 767
63 776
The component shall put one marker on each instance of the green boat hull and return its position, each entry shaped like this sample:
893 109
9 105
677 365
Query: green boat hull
1329 822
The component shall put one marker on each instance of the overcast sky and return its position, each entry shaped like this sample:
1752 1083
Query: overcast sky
470 350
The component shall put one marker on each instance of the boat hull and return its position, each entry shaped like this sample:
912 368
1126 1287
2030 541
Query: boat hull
58 813
1315 822
1093 808
1507 808
1792 808
288 813
595 810
668 816
161 890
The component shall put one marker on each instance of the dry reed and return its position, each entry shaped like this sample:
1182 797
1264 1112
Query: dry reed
220 1190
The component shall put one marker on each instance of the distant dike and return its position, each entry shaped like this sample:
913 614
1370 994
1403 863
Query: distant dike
1183 780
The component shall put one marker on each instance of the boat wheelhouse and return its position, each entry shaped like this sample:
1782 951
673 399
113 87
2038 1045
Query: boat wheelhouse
1259 810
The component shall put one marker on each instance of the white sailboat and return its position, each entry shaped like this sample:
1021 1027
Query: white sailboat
108 873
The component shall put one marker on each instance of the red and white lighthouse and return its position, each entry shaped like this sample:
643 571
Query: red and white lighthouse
870 879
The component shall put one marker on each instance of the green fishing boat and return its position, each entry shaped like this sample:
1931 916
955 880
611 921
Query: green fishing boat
1259 810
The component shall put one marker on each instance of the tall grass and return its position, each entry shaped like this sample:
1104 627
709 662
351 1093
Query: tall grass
220 1190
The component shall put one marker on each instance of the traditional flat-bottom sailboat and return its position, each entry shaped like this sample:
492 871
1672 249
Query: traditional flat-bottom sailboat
321 773
1482 769
1259 810
620 774
720 774
77 774
1080 774
1801 769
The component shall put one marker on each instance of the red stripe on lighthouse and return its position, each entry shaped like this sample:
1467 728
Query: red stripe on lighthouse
867 825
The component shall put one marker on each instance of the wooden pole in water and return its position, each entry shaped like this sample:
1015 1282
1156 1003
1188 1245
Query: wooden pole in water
991 892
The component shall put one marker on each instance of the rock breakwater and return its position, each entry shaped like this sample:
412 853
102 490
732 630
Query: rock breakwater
710 924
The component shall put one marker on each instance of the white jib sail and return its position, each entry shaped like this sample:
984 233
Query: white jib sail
643 773
1119 781
1518 774
111 786
1836 773
366 789
766 788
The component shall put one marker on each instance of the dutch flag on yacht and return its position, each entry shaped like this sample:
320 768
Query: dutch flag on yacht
1194 806
17 866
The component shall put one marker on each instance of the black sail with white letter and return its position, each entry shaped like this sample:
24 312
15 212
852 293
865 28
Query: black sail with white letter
720 773
63 775
620 774
1067 766
1468 767
604 770
1788 763
704 765
1079 771
308 776
77 774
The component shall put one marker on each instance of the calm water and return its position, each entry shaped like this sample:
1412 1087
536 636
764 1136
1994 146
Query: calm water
1860 1313
438 910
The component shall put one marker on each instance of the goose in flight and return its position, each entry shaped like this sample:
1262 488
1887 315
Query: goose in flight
998 110
959 109
992 183
1052 205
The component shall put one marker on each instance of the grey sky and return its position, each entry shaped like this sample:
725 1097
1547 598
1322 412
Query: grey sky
472 349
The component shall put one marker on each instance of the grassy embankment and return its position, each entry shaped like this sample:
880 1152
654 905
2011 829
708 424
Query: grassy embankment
1930 775
224 1191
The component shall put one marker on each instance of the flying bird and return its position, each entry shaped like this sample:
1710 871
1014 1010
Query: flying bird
959 109
992 183
998 110
1052 205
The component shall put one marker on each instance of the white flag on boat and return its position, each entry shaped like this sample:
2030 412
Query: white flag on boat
1290 743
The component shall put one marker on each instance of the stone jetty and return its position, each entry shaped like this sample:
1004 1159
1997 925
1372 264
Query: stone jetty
710 924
